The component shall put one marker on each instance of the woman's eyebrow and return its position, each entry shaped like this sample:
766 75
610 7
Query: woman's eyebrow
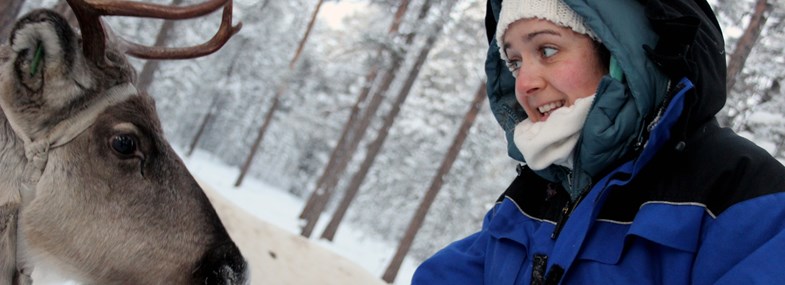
534 34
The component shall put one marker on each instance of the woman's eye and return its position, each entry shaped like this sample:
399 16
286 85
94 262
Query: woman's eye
514 65
548 51
123 144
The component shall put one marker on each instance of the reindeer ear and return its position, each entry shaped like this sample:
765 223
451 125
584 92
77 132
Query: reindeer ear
46 73
45 46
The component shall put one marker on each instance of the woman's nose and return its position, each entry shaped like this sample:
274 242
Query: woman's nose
528 81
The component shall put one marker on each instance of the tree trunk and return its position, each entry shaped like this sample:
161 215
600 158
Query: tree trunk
339 153
304 39
205 121
150 66
398 17
217 102
389 119
353 132
344 154
10 12
343 206
436 185
260 135
342 151
277 98
746 42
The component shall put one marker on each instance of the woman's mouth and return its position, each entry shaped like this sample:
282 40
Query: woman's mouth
547 109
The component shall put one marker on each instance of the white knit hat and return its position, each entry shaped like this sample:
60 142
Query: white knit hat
552 10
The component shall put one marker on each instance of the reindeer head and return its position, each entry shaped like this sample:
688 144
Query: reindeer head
88 184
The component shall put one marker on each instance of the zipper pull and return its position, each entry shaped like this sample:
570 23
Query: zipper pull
565 213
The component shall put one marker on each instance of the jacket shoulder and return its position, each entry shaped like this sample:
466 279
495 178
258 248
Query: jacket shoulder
716 169
736 170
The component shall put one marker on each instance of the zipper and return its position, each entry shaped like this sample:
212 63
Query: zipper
565 214
567 209
647 128
570 205
562 220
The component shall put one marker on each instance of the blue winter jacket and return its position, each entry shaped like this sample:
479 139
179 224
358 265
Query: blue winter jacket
660 193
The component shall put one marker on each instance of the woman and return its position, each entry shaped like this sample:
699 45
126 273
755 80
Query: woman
628 177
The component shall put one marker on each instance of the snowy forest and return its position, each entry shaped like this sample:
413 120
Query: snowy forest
367 108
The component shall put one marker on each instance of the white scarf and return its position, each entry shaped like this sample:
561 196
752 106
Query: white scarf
552 141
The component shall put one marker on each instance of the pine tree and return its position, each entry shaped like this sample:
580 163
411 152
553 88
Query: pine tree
276 100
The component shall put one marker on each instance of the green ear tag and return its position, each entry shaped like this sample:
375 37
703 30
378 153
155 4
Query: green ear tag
39 53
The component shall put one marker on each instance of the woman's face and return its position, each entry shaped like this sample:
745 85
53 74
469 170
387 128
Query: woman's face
553 66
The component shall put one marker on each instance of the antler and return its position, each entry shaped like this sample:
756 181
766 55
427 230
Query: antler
88 13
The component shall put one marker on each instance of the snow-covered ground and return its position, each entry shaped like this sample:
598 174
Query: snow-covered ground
281 210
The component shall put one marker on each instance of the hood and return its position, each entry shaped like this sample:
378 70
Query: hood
655 44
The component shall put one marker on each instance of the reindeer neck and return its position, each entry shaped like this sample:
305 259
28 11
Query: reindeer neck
9 141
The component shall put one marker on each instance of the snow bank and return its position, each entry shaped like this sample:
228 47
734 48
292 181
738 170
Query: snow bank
276 256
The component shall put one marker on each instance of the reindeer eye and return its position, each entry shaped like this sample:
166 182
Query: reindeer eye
124 144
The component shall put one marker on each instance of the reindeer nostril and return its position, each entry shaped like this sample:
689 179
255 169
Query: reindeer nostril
222 265
229 277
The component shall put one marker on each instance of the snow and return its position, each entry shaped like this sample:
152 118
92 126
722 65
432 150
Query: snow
766 118
768 146
333 13
733 32
281 209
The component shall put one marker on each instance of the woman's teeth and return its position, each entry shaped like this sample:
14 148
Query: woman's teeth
547 108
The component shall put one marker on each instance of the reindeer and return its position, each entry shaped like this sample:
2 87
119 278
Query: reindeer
89 187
